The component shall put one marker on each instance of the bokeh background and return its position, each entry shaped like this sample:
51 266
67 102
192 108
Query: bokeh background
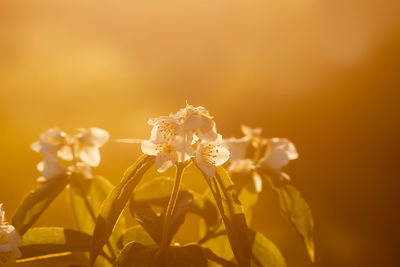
325 74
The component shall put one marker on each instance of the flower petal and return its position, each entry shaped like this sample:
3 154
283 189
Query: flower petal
50 167
65 152
149 148
54 136
257 182
208 130
165 160
90 155
193 123
221 155
237 147
276 159
98 136
285 145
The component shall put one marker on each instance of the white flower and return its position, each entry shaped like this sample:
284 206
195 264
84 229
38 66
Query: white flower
199 121
9 241
209 155
50 167
178 137
167 153
278 153
165 128
237 147
50 141
89 142
54 144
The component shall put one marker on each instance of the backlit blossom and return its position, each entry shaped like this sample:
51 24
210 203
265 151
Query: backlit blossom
82 149
237 147
209 155
51 141
88 143
165 128
199 121
167 153
9 241
278 153
189 133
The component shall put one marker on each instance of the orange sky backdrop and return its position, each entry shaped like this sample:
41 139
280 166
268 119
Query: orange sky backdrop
325 74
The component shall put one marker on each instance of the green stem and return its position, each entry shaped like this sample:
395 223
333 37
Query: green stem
87 203
93 215
171 204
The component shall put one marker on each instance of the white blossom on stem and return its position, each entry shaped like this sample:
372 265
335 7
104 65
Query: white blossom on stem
9 241
82 149
209 155
278 153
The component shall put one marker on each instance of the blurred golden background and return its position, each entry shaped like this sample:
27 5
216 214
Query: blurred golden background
325 74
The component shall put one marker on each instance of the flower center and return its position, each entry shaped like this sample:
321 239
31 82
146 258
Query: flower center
168 130
210 153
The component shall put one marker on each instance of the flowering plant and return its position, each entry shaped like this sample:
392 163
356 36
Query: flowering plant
186 143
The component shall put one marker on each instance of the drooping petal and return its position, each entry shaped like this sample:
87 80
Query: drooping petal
165 160
285 176
257 182
149 148
36 146
50 167
90 155
276 159
285 145
98 136
65 152
237 147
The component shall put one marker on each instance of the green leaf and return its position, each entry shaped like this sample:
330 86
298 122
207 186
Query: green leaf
265 253
137 234
232 215
36 202
297 211
158 191
153 223
49 240
137 255
92 192
248 195
115 202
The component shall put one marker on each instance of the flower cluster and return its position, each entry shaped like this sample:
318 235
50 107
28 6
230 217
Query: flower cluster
82 149
9 241
189 133
270 153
